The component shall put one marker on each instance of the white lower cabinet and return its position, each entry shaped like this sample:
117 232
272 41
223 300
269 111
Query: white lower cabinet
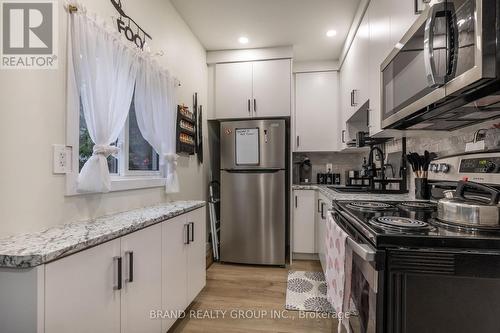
304 221
113 287
183 262
324 205
141 253
196 258
81 294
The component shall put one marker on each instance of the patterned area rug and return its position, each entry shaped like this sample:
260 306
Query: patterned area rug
306 291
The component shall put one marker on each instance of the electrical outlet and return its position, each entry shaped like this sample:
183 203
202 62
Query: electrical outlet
329 167
62 158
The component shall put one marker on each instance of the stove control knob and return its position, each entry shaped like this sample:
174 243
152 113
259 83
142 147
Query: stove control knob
434 167
444 168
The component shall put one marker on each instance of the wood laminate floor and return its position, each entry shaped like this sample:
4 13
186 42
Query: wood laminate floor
258 289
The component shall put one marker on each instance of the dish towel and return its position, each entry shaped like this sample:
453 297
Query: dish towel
338 271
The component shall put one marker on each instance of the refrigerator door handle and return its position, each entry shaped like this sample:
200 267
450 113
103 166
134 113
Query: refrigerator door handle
253 170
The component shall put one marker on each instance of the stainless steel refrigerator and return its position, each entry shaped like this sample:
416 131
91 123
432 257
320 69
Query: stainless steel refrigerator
253 192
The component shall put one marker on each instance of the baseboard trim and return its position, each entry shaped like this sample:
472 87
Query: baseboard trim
305 256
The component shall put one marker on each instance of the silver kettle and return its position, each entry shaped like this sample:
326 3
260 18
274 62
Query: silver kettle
472 211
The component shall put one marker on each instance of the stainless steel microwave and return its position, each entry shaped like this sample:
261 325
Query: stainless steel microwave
444 73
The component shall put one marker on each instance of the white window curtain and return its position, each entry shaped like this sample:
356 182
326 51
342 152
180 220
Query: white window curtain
105 68
155 108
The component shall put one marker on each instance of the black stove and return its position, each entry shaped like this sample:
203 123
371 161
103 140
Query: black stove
410 224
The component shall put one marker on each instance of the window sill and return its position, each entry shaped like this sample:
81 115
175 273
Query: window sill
121 184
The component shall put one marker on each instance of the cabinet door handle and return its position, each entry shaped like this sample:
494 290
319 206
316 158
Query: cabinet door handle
249 106
118 263
343 136
296 203
130 256
186 233
191 224
322 211
298 141
254 105
319 205
353 98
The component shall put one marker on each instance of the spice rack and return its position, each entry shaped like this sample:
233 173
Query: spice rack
186 130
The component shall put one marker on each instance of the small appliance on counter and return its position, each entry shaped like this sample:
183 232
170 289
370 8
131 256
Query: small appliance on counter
302 172
443 256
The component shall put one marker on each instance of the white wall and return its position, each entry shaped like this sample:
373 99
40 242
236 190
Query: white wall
32 118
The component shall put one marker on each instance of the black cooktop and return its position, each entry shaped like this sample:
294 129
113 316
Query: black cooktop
409 224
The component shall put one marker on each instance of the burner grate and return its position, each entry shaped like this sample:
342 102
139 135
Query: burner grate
417 205
370 205
400 223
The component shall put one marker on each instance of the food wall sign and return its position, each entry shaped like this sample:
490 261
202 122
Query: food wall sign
129 28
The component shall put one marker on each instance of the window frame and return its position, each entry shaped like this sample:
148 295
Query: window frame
122 181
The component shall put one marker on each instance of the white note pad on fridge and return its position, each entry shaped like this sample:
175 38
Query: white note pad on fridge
247 146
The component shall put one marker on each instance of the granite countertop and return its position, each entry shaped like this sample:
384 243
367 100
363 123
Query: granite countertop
33 249
335 195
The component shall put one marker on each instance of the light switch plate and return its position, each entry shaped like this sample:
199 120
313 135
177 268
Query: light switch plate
62 159
329 167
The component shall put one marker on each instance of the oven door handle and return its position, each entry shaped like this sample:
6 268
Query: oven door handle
364 251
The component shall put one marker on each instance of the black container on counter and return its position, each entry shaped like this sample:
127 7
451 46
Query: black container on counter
328 178
422 191
320 178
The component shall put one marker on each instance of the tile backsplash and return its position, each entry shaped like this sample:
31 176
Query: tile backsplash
341 162
442 146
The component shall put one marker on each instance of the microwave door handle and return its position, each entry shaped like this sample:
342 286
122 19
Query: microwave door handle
430 63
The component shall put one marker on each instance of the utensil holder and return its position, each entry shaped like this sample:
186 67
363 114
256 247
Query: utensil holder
422 189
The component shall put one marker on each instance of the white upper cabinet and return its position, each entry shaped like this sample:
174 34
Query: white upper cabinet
382 27
380 46
253 89
272 88
402 17
233 90
317 112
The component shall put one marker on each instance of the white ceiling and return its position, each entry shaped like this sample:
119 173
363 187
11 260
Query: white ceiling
302 23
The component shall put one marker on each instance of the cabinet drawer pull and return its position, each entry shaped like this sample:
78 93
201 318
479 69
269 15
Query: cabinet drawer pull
130 256
249 107
343 136
118 263
191 224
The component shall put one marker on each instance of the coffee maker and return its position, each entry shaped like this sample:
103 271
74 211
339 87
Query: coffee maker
302 171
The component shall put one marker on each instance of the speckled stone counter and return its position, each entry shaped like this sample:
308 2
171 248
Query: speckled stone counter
30 250
335 195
